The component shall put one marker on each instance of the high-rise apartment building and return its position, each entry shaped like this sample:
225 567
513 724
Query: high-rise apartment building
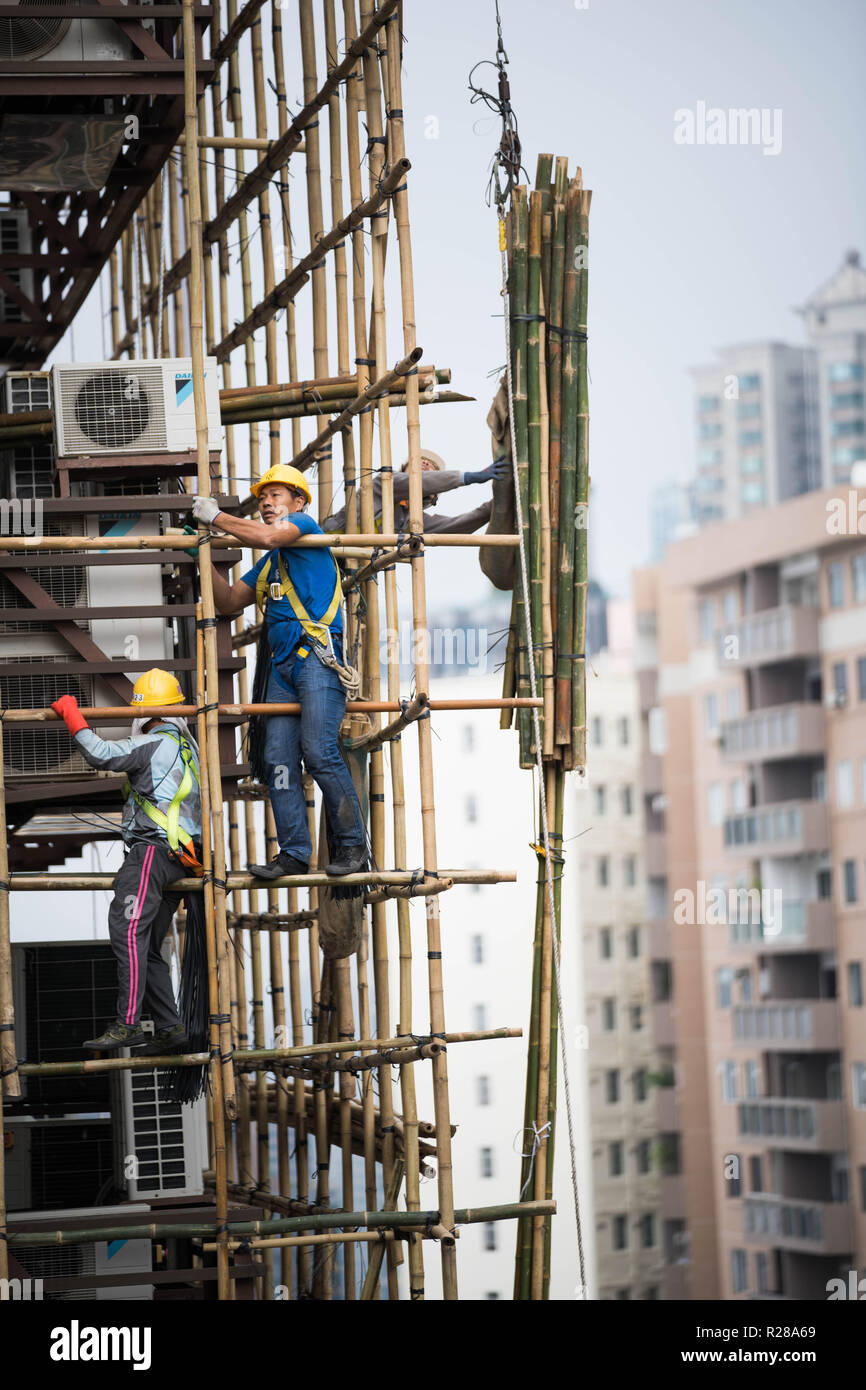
752 676
835 318
626 1157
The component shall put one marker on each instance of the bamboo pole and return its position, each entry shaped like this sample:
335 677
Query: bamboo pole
9 1083
556 837
534 349
578 645
224 1091
114 301
422 673
545 1028
568 471
317 1221
519 339
285 206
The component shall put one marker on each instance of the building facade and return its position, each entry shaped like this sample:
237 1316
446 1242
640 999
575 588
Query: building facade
752 674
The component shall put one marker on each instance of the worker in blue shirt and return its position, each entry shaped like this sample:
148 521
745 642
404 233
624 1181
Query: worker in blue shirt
300 654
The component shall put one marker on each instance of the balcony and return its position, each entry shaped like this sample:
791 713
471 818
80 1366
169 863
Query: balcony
786 828
804 926
783 731
823 1228
666 1110
777 634
654 853
808 1126
651 774
797 1025
664 1034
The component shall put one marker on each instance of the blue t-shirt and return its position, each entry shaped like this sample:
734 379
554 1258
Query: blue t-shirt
313 572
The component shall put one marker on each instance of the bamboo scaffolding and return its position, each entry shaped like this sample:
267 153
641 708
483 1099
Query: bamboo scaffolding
317 1221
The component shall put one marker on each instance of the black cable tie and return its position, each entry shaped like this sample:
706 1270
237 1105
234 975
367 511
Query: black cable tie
10 1071
4 885
577 335
528 318
376 140
401 188
436 1035
278 989
206 622
365 362
205 709
571 656
413 371
434 955
226 1057
219 1018
205 539
388 1129
396 114
313 125
377 796
7 1027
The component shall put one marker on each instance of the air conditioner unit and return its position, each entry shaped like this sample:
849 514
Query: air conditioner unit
836 699
106 408
26 391
163 1145
98 1258
15 239
26 37
28 469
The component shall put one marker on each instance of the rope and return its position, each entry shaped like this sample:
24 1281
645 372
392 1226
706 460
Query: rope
546 836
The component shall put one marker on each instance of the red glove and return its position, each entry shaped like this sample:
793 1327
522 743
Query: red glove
67 708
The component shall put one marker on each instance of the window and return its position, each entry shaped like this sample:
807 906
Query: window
849 875
840 678
749 438
711 713
486 1163
598 799
629 871
642 1156
739 795
836 584
635 1014
657 734
855 984
751 381
729 1081
615 1159
619 1233
716 803
844 785
603 871
709 430
739 1271
753 494
597 732
652 1291
622 730
639 1085
749 410
858 1084
861 677
468 738
846 429
845 371
732 702
753 1080
626 797
706 403
744 980
490 1235
707 619
633 939
756 1177
858 575
762 1271
482 1090
608 1015
846 400
724 987
611 1087
648 1230
479 1014
732 1183
471 809
605 943
751 463
478 950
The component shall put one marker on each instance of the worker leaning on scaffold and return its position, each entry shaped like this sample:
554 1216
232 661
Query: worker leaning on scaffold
300 660
436 478
161 830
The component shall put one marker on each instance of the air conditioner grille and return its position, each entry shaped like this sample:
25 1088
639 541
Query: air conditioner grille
59 1262
112 409
65 584
33 751
157 1127
25 36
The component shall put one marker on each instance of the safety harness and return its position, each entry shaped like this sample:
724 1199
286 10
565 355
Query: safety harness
169 821
317 630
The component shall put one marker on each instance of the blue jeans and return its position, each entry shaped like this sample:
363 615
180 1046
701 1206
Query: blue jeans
312 735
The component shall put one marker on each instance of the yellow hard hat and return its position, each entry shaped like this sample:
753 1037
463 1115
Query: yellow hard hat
156 688
287 475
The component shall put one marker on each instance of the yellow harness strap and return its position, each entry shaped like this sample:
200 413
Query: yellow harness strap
316 629
170 821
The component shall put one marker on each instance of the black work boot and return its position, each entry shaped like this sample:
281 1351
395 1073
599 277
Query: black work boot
166 1040
116 1035
279 867
348 861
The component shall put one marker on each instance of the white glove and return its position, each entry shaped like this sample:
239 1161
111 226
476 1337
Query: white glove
206 510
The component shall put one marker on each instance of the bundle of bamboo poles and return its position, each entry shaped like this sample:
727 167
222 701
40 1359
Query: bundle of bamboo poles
547 240
548 234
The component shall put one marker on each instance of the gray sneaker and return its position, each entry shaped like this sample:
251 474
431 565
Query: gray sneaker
116 1035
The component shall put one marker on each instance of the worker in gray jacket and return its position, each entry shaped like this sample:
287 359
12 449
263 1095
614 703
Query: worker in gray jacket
161 829
435 479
